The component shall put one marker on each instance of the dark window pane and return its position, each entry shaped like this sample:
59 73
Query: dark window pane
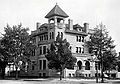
79 49
47 37
87 65
44 74
33 67
52 35
77 38
83 50
40 50
83 39
76 49
44 64
40 64
44 49
40 75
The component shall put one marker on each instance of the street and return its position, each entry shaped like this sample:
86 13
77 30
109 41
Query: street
56 81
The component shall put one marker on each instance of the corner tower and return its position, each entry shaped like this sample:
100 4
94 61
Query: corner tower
57 17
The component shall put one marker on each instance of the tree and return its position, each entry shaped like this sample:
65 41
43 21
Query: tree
59 55
101 44
18 44
109 60
3 60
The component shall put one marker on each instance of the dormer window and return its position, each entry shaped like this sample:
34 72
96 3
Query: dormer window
80 29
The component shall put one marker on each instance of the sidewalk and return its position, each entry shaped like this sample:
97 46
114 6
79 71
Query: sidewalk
68 80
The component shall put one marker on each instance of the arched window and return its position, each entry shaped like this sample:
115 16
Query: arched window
87 65
79 63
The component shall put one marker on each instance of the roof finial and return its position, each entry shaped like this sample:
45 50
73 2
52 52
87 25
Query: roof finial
56 3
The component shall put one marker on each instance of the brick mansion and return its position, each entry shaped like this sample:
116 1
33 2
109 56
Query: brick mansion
75 34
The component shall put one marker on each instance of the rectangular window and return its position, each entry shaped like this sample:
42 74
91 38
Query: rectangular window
33 67
83 50
47 37
83 39
70 47
34 40
44 49
77 38
44 37
52 35
44 74
76 49
40 50
40 64
40 75
44 64
40 38
79 49
33 52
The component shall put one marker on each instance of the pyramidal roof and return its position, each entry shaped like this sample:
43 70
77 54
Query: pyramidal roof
56 11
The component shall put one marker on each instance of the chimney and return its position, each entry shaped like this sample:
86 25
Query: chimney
38 25
86 26
119 54
70 24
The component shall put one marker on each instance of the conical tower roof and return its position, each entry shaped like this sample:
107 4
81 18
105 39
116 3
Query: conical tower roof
56 11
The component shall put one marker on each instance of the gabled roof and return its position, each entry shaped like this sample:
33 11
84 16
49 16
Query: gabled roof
56 11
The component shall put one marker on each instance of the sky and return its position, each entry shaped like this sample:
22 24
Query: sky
28 12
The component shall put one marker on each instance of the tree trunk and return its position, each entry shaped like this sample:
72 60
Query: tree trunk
109 73
16 74
3 73
60 74
3 66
